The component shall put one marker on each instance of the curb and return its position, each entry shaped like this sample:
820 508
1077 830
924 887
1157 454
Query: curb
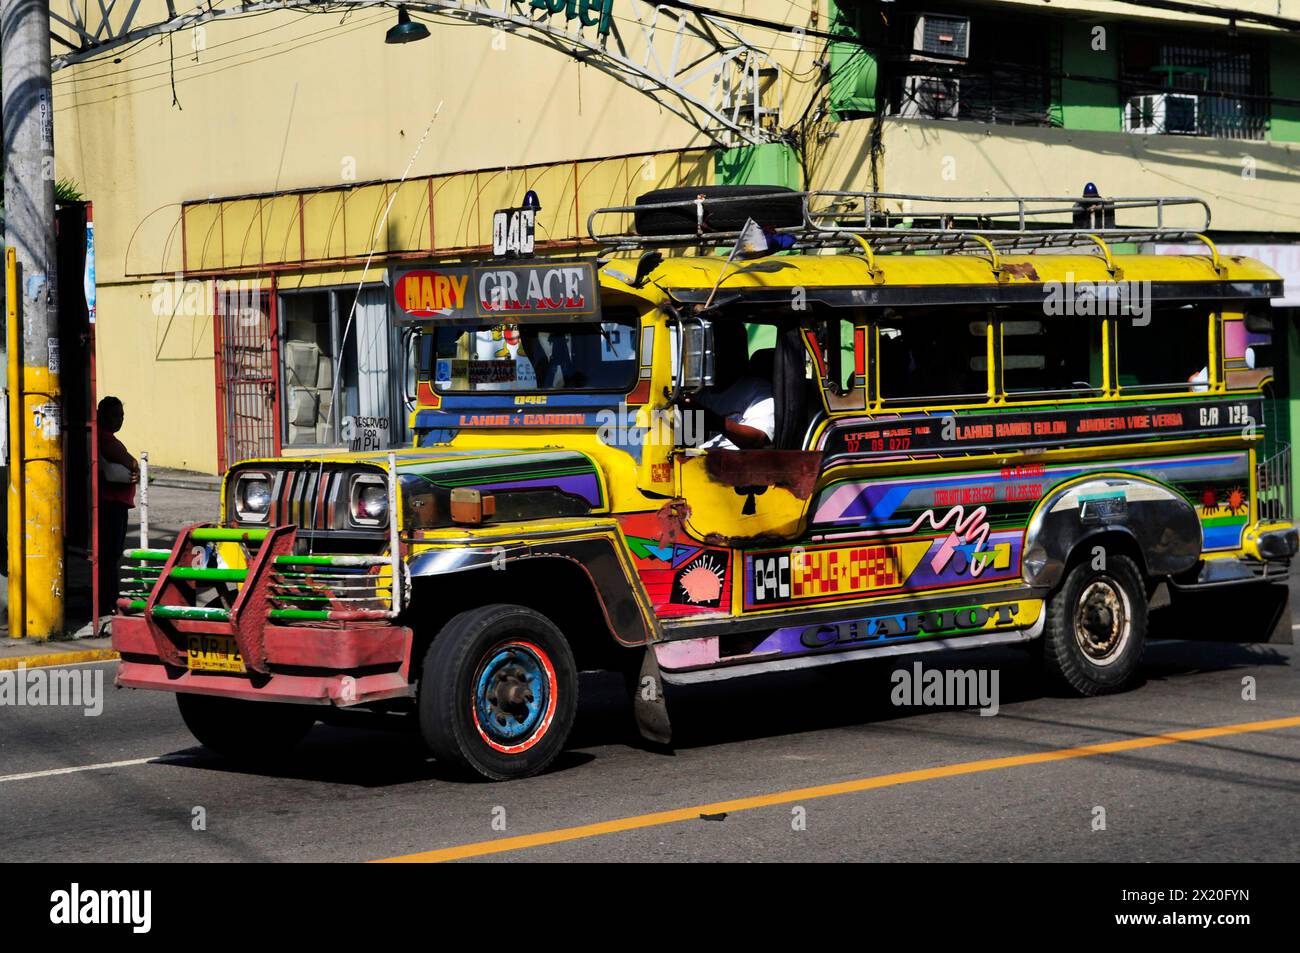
180 484
46 659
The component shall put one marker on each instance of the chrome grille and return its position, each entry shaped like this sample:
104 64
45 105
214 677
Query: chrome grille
308 498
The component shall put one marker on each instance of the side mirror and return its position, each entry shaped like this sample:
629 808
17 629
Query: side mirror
696 372
1259 322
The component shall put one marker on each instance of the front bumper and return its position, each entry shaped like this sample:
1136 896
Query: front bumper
303 664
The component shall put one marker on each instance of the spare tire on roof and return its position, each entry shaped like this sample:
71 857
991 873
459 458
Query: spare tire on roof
770 205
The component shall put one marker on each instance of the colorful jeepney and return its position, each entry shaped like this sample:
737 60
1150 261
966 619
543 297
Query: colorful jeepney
983 435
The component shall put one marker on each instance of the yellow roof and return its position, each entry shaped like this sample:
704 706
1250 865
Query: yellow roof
848 270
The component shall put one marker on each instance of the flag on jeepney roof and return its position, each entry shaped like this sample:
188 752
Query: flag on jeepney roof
755 241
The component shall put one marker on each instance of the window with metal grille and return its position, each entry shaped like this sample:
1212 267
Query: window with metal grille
978 69
345 334
1189 84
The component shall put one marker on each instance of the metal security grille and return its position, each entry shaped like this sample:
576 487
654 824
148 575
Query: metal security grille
982 70
1273 486
247 376
941 34
1226 76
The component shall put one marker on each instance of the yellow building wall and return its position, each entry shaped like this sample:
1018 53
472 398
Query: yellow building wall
161 366
293 100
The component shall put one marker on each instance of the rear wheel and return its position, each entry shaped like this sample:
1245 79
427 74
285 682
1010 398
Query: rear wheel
498 692
1096 627
257 732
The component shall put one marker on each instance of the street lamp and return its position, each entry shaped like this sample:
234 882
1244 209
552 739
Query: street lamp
406 30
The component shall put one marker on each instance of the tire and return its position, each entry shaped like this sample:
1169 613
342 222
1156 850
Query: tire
771 205
1096 627
478 655
254 732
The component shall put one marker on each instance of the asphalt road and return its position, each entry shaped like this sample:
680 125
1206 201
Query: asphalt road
361 793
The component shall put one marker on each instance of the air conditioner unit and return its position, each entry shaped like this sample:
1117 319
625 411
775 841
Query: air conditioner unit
1157 113
942 35
929 97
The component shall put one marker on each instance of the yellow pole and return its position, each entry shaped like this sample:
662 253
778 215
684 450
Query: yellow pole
36 484
17 623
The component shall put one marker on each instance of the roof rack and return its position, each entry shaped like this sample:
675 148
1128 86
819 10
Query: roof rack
894 222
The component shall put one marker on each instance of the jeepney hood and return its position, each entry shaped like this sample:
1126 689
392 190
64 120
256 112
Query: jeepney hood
566 472
527 483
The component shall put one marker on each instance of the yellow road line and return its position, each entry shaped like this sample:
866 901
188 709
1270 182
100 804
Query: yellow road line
58 658
830 790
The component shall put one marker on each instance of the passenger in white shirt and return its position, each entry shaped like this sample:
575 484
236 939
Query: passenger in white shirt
744 414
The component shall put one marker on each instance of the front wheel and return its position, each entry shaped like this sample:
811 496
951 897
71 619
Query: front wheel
1096 627
498 692
251 731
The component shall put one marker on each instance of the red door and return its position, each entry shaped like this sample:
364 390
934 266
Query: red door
248 379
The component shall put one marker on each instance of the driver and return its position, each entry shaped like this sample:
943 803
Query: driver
743 415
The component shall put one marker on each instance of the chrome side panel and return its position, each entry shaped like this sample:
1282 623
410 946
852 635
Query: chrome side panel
1162 524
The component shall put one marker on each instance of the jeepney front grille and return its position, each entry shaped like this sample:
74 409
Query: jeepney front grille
316 588
1273 486
309 499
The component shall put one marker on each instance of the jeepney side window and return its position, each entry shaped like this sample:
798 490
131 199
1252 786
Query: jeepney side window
1246 348
1051 356
1168 349
835 337
837 340
933 357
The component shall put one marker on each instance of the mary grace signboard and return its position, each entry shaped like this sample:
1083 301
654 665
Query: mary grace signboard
505 292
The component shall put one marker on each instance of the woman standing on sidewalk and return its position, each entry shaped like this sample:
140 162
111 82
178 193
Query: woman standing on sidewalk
118 474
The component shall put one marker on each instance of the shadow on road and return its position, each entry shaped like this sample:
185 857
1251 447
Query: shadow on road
372 751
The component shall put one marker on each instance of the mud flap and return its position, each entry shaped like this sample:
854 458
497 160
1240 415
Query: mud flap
649 704
1258 612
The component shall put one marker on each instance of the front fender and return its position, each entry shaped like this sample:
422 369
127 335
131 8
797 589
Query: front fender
617 588
1162 524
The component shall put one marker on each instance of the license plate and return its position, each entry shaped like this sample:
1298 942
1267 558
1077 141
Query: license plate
214 653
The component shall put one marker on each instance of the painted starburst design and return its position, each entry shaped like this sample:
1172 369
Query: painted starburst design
1236 500
702 582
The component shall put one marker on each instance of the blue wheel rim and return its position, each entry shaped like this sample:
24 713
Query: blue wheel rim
511 694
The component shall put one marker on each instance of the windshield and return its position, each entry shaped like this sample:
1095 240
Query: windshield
531 357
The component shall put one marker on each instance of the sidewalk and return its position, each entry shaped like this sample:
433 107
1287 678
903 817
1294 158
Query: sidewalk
33 653
177 498
183 479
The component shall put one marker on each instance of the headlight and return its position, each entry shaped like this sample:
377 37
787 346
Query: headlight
253 497
369 500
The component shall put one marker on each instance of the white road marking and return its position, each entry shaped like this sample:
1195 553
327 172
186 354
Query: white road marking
77 770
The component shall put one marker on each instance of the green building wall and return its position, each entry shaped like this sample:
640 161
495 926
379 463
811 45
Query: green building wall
1089 103
773 163
1284 75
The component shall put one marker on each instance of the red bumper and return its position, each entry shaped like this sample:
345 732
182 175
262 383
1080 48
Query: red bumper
351 665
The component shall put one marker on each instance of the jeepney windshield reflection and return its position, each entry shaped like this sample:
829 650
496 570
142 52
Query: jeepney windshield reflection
531 357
